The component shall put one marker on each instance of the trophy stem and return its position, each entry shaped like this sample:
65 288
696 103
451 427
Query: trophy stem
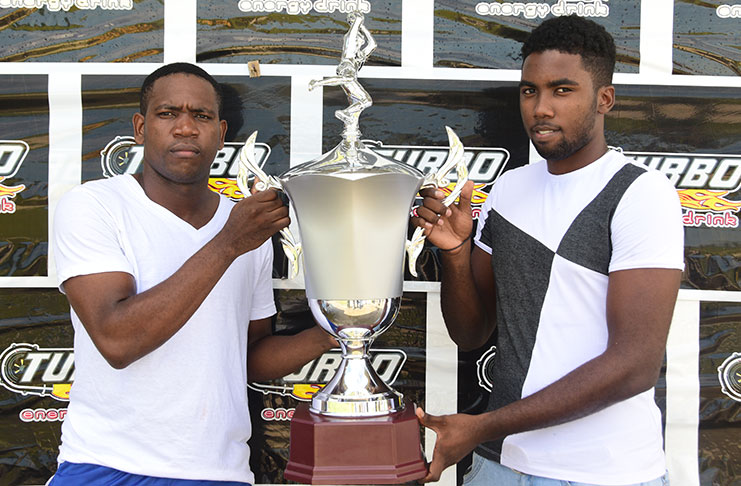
356 390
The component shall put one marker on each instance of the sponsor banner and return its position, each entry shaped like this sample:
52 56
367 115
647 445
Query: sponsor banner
706 37
36 371
720 392
293 31
489 34
24 155
29 370
693 137
81 30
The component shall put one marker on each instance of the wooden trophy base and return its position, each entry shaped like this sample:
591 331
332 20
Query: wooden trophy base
375 450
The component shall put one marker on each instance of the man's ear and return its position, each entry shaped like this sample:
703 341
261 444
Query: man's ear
222 127
605 99
138 122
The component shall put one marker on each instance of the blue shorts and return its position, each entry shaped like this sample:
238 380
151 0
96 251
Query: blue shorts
72 474
484 472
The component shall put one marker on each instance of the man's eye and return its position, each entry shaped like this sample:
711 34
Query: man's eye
563 90
527 91
202 116
165 114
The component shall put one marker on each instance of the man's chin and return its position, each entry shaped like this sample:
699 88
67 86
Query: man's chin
551 155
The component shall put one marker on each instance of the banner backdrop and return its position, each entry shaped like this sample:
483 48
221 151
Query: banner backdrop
70 72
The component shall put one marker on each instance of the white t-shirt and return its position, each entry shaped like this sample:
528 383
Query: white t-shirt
554 239
180 411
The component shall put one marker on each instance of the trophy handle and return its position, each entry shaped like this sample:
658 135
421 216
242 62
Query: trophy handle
439 179
247 164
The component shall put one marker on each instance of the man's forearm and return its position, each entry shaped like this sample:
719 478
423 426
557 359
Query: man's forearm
590 388
463 310
274 357
133 326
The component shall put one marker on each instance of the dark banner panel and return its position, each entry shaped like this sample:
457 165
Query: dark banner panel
36 371
296 32
82 31
478 34
694 137
720 393
24 175
706 37
398 356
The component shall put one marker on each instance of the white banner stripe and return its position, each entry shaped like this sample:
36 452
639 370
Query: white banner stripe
441 376
683 395
180 31
657 31
417 34
65 146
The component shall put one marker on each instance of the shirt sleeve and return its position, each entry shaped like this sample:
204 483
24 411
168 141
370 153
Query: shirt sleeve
482 238
647 228
85 238
263 302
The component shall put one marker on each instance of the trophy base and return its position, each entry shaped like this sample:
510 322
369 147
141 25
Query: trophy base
374 450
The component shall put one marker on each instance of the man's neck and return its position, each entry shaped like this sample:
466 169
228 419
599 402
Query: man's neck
582 158
195 204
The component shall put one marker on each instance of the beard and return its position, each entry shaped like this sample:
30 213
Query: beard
569 146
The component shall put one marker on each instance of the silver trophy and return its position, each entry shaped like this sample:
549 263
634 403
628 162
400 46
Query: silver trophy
352 207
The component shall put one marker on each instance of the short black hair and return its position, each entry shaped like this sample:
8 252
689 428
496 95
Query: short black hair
176 68
576 35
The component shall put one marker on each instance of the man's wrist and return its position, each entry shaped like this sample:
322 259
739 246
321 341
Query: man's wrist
458 248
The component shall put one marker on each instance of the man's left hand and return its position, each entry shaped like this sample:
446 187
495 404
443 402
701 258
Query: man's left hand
456 437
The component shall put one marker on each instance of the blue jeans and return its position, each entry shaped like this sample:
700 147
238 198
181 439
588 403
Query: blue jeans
484 472
73 474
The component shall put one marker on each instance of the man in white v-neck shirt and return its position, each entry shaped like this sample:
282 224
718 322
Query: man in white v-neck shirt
171 301
575 265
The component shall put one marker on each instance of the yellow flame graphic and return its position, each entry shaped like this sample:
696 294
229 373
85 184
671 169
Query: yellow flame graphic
61 390
478 196
707 200
225 186
306 391
9 191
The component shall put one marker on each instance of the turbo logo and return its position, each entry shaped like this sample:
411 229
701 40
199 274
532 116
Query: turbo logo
729 376
484 366
123 156
303 384
29 370
12 154
485 164
703 182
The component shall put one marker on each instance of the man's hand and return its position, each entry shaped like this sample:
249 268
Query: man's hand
253 220
456 437
445 227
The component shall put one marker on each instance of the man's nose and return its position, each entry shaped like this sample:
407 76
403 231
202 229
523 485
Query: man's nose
185 125
543 108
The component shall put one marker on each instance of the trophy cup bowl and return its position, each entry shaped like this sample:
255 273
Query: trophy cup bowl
353 219
352 208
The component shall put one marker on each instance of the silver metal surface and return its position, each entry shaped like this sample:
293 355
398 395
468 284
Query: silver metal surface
356 390
353 227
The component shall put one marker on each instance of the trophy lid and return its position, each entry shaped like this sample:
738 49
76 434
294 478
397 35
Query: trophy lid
351 160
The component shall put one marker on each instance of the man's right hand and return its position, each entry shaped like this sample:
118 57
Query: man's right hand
445 227
253 220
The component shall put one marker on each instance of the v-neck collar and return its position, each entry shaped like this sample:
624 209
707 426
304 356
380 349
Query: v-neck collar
166 213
